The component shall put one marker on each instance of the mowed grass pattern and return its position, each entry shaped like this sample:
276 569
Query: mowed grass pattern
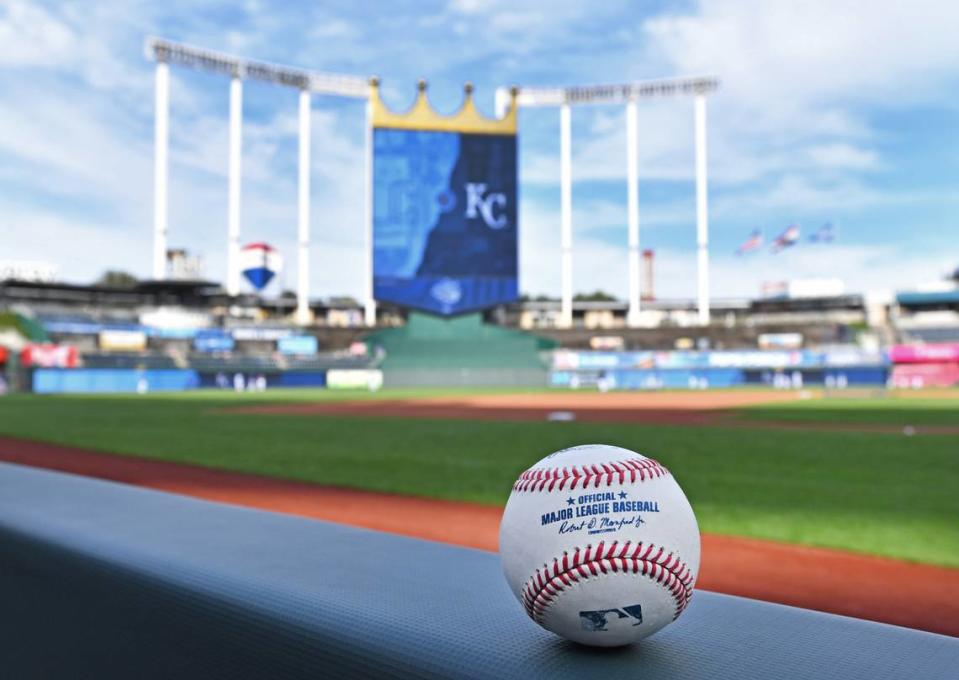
930 407
881 494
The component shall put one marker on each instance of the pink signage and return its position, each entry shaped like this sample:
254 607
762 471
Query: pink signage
925 375
917 354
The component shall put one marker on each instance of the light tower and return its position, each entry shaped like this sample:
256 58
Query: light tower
627 94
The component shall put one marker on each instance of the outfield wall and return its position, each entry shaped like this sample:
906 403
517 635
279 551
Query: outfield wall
112 380
718 369
929 365
460 352
92 380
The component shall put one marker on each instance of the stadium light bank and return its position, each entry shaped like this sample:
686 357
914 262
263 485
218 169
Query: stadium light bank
166 52
628 94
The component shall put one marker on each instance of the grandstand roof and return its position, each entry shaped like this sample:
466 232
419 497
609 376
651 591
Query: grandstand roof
806 304
931 298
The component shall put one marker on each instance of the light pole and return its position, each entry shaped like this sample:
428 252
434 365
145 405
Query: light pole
702 212
632 208
566 215
369 304
166 52
233 186
303 316
161 142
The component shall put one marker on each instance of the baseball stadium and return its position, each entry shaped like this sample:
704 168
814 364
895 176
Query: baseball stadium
207 473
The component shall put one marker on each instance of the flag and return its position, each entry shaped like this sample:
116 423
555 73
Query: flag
789 237
825 234
754 242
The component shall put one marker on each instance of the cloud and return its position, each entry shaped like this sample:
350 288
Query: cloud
841 155
796 192
664 148
601 264
784 57
73 39
860 267
796 126
80 248
31 36
597 265
87 179
799 79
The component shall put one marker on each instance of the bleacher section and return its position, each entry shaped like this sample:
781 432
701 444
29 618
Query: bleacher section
928 316
193 327
933 334
129 361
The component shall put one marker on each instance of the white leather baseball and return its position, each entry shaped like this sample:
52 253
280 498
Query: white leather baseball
600 545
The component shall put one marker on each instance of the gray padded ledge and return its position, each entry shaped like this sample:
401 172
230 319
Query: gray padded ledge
101 580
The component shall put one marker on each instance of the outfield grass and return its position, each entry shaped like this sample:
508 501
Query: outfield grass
875 493
931 407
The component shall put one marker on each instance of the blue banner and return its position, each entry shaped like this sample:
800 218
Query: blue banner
80 380
298 344
444 219
576 360
213 340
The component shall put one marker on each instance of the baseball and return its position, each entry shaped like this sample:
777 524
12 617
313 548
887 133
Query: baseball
600 545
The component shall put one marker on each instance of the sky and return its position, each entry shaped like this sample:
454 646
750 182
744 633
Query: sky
827 111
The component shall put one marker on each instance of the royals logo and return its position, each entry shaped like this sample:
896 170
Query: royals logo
481 204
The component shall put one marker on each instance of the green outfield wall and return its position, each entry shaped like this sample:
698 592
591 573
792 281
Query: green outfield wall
462 351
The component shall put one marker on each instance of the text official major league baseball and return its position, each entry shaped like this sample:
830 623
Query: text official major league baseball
600 545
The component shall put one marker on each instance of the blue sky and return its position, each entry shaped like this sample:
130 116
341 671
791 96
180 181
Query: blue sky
828 111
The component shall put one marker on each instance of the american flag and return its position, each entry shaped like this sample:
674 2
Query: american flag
825 234
754 242
789 237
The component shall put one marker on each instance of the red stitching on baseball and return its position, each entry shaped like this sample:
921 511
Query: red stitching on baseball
664 568
547 479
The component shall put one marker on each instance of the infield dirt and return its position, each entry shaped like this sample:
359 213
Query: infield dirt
716 409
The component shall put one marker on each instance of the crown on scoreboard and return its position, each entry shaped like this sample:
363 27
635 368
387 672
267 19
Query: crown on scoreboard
422 116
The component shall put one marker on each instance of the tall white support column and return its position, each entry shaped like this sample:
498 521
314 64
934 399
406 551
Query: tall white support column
702 216
632 199
303 316
233 210
501 102
161 140
369 305
566 214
